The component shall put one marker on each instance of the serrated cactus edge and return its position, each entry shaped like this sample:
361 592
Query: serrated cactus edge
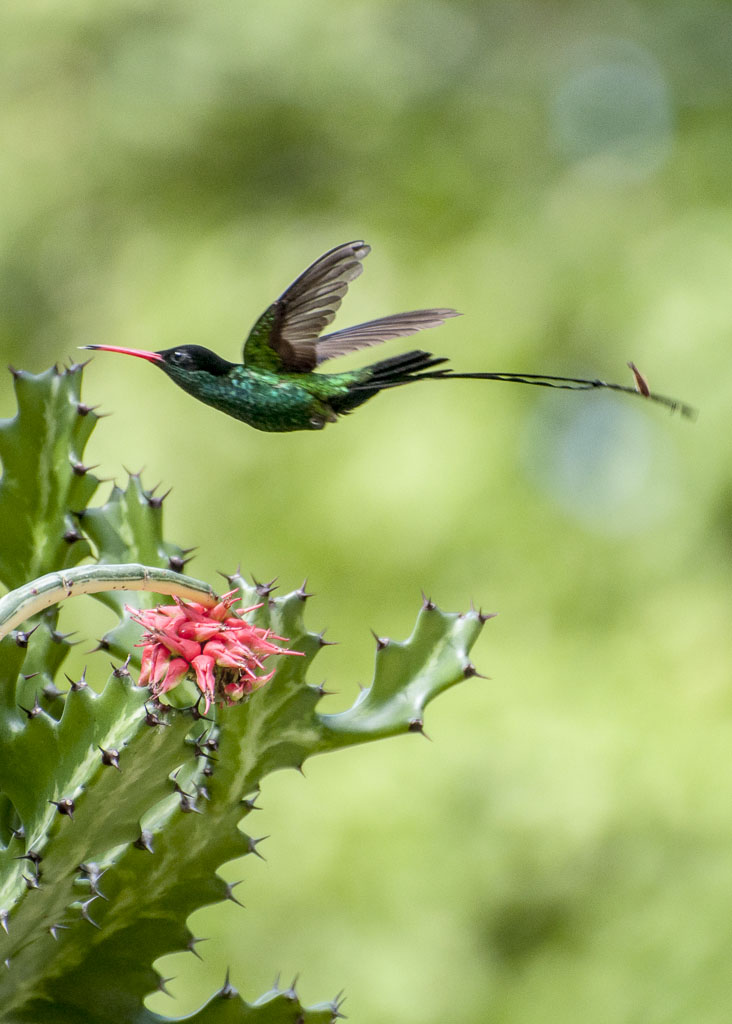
116 811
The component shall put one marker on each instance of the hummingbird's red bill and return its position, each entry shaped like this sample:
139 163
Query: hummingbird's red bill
152 357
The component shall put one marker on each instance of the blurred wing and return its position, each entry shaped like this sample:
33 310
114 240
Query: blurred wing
285 336
375 331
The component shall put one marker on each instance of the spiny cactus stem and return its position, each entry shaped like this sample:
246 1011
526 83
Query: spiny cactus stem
26 601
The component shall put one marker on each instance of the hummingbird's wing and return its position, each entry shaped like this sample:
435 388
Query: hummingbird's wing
398 325
285 336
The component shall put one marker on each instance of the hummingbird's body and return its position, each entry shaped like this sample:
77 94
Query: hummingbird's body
275 388
272 401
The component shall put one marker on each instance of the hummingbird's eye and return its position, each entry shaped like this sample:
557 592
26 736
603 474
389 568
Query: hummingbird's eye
182 357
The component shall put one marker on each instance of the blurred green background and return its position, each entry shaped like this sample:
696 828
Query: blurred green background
560 172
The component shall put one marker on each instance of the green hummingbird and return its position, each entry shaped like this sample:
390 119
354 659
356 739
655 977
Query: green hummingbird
276 388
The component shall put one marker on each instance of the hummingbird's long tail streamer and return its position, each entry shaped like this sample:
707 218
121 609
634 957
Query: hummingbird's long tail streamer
406 374
575 384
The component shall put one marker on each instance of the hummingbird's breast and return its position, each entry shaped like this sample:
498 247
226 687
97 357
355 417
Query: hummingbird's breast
264 400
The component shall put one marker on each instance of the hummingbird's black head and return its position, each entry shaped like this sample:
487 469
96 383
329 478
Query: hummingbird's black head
193 359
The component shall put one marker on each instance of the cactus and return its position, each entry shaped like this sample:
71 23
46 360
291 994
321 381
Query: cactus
117 809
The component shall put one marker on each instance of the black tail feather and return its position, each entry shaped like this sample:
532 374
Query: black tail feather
400 369
387 373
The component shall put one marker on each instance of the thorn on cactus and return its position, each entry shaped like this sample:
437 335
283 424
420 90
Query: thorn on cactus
84 911
122 671
381 641
203 744
177 563
227 991
417 725
152 719
201 749
200 752
53 930
60 638
65 806
33 857
163 986
22 638
4 921
482 616
156 501
192 943
469 671
336 1005
264 589
51 691
187 802
250 803
80 469
92 873
34 711
32 882
303 593
325 643
144 841
75 367
78 684
229 895
428 604
72 535
254 843
103 644
198 713
110 758
83 409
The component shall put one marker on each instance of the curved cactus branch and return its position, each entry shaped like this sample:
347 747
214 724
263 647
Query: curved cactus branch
34 597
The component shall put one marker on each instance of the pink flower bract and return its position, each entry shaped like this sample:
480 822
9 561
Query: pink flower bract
216 646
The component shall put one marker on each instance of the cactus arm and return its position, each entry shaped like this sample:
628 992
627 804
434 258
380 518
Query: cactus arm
115 814
44 477
23 603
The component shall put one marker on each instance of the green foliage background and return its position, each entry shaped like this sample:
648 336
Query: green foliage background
560 173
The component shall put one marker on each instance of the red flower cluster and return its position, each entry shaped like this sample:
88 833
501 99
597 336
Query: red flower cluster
213 645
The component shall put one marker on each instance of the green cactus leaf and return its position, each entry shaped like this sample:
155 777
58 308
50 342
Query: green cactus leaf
115 815
44 480
115 766
277 727
225 1007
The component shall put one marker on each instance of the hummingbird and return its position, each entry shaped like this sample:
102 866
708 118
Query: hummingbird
276 386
